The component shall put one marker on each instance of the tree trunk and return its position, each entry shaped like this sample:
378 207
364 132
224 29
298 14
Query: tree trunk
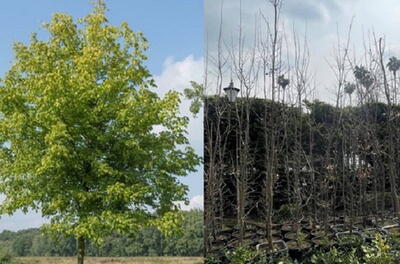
271 148
81 249
392 175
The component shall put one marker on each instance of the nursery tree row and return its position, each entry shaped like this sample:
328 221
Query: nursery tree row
279 154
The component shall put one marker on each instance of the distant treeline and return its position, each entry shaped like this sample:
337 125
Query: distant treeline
147 242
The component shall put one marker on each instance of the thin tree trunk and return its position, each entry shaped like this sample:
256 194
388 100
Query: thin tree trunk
81 249
270 168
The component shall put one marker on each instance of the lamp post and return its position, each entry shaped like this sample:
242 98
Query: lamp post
231 92
235 130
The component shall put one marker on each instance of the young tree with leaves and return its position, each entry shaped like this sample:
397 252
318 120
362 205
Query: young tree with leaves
85 140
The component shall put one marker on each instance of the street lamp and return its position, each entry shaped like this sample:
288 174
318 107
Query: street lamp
231 92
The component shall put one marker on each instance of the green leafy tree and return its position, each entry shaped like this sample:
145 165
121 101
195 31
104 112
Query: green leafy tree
364 77
85 140
393 65
190 243
349 89
283 82
22 245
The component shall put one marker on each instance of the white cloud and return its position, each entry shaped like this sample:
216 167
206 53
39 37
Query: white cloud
176 75
196 202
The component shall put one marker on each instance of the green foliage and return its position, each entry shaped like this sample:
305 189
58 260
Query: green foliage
353 240
83 136
21 246
5 256
364 76
242 255
349 88
379 252
393 64
335 256
322 113
212 260
286 211
191 240
196 95
276 259
382 250
246 255
282 81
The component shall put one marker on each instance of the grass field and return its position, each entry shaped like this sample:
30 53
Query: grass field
93 260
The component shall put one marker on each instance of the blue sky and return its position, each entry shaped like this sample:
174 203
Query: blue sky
174 29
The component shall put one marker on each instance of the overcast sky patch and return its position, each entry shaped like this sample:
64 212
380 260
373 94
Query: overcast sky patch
319 21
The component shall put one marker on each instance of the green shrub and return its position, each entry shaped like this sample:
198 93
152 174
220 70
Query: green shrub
212 260
282 260
379 252
287 211
242 255
335 256
245 255
5 257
